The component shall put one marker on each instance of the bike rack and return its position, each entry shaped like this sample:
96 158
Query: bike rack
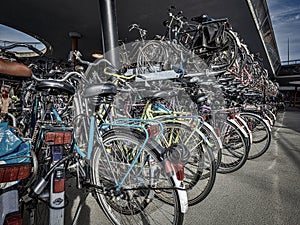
171 74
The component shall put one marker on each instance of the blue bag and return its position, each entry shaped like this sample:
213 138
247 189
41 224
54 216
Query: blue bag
12 148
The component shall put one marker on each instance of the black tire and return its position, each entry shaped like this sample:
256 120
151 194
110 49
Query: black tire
260 133
37 211
141 205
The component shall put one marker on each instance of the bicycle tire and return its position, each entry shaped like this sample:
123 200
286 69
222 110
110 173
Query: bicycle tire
226 55
247 132
260 133
235 151
136 206
213 139
271 115
37 210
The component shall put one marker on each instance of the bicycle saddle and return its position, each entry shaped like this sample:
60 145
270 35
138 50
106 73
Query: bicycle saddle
201 99
14 69
55 87
200 19
100 89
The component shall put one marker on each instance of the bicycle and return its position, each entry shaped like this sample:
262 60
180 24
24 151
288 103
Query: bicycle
179 127
141 179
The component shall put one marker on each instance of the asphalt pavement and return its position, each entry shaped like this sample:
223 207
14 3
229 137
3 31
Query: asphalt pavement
265 191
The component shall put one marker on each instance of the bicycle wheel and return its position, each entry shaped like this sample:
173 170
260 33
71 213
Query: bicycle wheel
242 125
200 170
140 200
214 140
226 55
271 115
151 58
38 213
235 150
261 135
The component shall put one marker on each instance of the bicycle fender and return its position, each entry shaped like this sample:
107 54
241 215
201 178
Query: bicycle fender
239 127
211 129
182 193
246 127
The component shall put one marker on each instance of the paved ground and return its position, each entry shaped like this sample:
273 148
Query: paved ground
266 191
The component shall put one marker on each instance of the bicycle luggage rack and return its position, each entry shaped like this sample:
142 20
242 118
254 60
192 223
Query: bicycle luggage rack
171 74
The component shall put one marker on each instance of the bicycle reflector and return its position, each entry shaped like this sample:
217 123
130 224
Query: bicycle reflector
13 219
58 137
179 170
59 181
14 172
178 167
231 115
153 130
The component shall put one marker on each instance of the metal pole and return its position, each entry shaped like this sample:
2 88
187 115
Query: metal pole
288 51
295 96
75 36
108 14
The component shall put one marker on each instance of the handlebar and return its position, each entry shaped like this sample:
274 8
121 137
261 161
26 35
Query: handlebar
133 26
78 55
14 45
68 75
142 32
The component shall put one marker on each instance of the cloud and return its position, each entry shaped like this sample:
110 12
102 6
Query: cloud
285 16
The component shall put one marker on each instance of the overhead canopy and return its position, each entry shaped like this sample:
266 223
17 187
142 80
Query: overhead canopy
52 20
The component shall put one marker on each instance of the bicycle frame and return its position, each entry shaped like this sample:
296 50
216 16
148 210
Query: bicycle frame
165 115
136 124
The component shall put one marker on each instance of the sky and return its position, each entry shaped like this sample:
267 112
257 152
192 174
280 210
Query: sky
285 16
8 33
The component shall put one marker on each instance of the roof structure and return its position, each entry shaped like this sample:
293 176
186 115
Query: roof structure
52 20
